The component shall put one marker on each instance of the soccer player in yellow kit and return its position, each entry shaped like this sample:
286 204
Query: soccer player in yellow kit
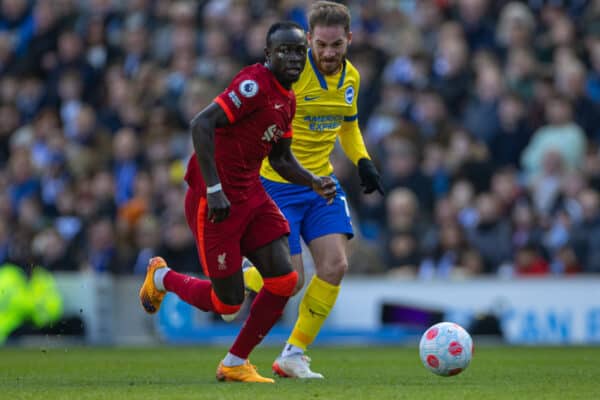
326 95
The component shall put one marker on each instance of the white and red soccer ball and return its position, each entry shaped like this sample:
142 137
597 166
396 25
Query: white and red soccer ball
446 349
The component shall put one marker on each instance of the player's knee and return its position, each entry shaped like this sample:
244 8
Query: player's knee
283 285
333 271
228 303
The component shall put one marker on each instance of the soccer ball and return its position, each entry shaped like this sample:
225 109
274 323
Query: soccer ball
446 349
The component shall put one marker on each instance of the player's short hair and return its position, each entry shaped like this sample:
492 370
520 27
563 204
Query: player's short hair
328 13
281 26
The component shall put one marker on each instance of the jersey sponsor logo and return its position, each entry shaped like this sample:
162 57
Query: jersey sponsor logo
320 123
310 98
248 88
272 134
221 261
349 94
235 99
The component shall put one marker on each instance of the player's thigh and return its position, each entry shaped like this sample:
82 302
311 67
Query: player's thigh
195 215
264 240
324 219
329 255
219 249
218 244
272 259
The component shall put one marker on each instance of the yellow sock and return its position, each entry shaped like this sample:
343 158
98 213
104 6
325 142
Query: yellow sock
315 306
252 279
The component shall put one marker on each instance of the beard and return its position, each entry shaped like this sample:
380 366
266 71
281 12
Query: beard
332 65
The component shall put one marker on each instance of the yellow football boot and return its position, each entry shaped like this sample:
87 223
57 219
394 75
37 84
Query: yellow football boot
150 296
240 373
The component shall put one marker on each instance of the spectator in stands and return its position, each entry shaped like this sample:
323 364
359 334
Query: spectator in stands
480 117
401 169
451 69
593 77
24 182
404 227
40 58
586 234
100 254
491 235
16 18
525 226
445 260
53 252
513 132
561 135
530 262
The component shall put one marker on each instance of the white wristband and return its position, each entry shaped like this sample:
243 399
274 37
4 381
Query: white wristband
214 188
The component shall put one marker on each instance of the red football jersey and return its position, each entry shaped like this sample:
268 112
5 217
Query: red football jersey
260 112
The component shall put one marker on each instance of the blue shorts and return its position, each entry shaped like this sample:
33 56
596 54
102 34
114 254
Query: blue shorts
308 214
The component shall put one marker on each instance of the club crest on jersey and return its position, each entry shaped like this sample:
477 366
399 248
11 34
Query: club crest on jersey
349 95
248 88
272 134
221 260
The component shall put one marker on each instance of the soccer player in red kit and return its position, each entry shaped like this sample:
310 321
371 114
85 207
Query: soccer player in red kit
227 208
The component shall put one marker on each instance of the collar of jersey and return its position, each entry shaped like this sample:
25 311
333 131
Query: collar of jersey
276 82
320 76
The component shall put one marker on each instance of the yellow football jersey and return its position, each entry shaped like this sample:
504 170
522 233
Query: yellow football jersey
325 110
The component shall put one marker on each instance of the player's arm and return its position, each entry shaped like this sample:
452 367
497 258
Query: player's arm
203 127
353 145
285 163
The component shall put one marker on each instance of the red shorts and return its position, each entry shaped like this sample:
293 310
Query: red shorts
222 245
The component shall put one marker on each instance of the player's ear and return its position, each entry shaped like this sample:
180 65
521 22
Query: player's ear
349 37
308 37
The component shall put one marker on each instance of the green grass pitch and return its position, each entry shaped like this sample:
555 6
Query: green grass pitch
352 373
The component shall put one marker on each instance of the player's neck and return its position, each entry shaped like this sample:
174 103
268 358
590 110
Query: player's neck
285 85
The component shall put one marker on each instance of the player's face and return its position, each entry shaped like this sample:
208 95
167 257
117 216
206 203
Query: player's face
329 45
287 55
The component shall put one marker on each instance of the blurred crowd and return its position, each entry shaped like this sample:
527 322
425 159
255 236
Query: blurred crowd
483 117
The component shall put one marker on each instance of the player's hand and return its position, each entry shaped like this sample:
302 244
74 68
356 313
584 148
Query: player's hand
369 176
218 206
325 187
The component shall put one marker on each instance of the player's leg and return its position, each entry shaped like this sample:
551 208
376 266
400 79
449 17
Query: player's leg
326 228
265 243
292 201
319 298
329 255
225 294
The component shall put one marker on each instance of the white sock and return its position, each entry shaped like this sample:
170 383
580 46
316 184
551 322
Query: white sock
159 275
232 361
290 349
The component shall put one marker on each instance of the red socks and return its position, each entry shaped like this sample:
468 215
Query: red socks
264 313
194 291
